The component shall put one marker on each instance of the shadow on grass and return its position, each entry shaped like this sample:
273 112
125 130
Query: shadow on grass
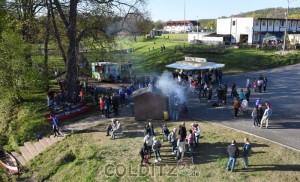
211 152
272 167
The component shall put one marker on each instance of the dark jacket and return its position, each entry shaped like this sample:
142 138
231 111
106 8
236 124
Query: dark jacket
233 151
182 133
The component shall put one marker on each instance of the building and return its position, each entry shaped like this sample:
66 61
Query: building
179 26
255 30
149 105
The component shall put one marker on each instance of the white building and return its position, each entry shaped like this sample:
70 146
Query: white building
179 26
254 30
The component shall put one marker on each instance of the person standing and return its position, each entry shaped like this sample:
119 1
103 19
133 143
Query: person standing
254 116
246 149
101 105
115 105
181 141
144 154
266 116
260 113
255 85
233 90
172 137
241 95
148 139
258 101
55 126
191 141
247 94
106 106
156 149
236 106
265 81
233 153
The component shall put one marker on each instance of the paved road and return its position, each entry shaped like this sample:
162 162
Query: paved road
283 93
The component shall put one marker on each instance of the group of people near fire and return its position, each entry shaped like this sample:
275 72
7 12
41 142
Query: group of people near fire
202 83
177 138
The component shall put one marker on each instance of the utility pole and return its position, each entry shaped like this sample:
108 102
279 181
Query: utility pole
184 20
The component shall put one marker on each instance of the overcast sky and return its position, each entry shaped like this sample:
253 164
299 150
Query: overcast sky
204 9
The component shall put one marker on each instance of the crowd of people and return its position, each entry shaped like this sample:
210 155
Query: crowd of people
177 140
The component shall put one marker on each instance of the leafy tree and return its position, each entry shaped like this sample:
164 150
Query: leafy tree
68 12
159 25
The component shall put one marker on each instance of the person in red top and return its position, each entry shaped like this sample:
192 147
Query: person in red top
101 106
254 85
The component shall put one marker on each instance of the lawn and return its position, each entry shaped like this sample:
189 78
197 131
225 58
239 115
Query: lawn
148 58
91 156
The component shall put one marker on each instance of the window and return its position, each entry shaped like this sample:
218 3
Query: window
277 23
233 23
282 23
294 24
256 22
264 23
270 23
298 23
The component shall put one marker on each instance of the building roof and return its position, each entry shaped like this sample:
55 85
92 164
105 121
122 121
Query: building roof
180 22
218 35
195 64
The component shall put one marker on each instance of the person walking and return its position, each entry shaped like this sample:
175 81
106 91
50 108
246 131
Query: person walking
55 126
246 149
236 106
266 116
156 149
233 153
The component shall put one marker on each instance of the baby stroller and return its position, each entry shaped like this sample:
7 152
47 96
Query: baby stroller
244 106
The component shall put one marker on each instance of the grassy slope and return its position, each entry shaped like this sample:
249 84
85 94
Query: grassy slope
83 157
154 61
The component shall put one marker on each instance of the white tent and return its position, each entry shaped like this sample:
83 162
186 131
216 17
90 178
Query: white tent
192 63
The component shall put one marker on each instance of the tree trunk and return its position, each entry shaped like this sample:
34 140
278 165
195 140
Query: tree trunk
72 66
57 37
47 34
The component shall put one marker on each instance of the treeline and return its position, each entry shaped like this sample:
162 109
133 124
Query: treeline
271 13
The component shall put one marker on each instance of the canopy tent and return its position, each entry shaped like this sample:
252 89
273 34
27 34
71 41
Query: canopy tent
191 63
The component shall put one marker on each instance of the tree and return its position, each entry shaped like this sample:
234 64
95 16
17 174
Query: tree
69 17
159 25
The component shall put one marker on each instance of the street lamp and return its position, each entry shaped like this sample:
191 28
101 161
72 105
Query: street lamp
286 24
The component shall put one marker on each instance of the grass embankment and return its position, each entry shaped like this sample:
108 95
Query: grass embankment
91 156
148 58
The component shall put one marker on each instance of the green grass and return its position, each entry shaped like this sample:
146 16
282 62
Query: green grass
147 60
85 156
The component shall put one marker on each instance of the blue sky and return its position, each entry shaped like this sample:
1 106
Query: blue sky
202 9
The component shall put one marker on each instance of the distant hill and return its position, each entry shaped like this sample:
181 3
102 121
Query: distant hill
271 13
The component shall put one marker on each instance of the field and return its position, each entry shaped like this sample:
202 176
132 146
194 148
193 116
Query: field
91 156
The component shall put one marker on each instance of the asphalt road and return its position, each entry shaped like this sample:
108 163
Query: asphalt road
283 93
